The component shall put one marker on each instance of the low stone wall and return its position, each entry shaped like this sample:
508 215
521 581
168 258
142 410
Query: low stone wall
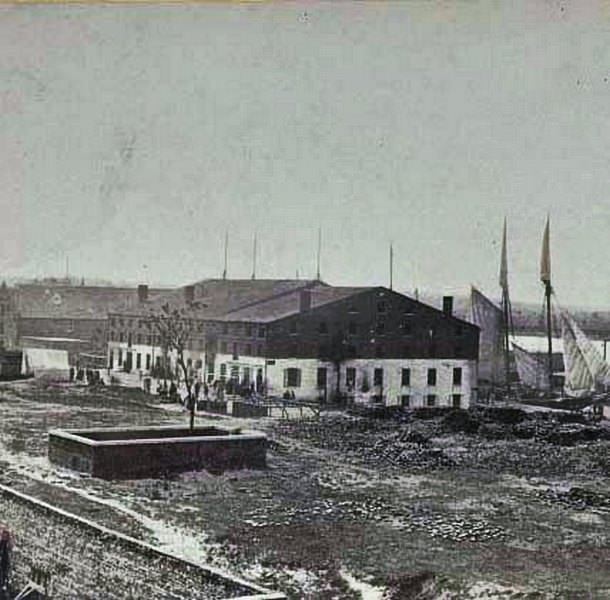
156 452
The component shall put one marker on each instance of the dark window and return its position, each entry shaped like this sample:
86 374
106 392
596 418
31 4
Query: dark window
121 337
129 339
120 363
210 368
456 400
248 349
405 400
431 376
380 328
189 362
223 371
223 347
225 328
138 361
378 377
457 376
292 377
235 373
158 361
149 340
406 327
260 350
111 360
352 309
261 331
350 377
293 327
381 306
321 377
322 327
352 328
249 330
406 377
139 338
430 400
235 352
147 362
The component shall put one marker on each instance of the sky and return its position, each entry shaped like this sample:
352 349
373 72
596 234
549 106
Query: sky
133 137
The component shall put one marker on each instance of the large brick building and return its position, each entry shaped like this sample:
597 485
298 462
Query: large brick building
309 338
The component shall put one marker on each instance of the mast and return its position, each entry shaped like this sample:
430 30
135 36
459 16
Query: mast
319 252
505 308
254 258
545 277
391 265
224 273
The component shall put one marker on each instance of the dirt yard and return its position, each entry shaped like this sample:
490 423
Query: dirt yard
467 505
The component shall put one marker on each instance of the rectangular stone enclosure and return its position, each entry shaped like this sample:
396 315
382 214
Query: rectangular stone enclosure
142 452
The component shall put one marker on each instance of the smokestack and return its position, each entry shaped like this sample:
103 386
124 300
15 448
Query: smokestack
304 300
448 306
189 293
142 293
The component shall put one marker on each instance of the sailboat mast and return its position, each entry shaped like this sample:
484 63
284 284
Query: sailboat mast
545 277
505 308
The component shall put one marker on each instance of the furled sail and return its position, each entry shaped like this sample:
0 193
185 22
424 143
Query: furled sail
531 369
585 369
488 317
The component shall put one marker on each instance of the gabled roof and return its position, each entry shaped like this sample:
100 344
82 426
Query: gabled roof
69 301
284 305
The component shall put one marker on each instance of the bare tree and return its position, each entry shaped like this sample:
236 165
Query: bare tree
174 327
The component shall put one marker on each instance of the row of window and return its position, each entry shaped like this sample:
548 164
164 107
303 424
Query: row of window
406 328
292 377
431 400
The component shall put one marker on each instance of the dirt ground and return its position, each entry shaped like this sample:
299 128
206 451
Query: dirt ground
473 506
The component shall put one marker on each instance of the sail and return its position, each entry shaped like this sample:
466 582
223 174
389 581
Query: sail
531 369
488 317
585 369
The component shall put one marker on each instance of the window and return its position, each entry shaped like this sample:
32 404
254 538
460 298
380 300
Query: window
129 339
148 362
380 329
248 349
246 376
120 363
210 368
139 339
457 376
225 328
406 327
350 377
235 352
158 362
379 351
223 347
149 340
293 327
223 371
352 328
235 373
321 377
249 330
405 378
138 361
322 327
111 360
381 306
431 376
430 400
292 377
456 400
405 400
352 309
261 331
189 362
121 337
260 350
378 377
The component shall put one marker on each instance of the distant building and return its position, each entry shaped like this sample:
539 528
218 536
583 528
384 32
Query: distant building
310 339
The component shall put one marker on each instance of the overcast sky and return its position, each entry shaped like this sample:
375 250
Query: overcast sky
135 135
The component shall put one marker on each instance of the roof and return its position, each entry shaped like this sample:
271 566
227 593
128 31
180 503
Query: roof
213 298
70 302
285 304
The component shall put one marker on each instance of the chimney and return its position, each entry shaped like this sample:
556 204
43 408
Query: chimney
142 293
304 300
448 306
189 293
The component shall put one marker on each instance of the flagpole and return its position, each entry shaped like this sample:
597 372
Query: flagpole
545 276
505 308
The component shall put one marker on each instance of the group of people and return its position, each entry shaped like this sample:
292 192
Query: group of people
88 376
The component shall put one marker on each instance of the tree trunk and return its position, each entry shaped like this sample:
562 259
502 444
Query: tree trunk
190 399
